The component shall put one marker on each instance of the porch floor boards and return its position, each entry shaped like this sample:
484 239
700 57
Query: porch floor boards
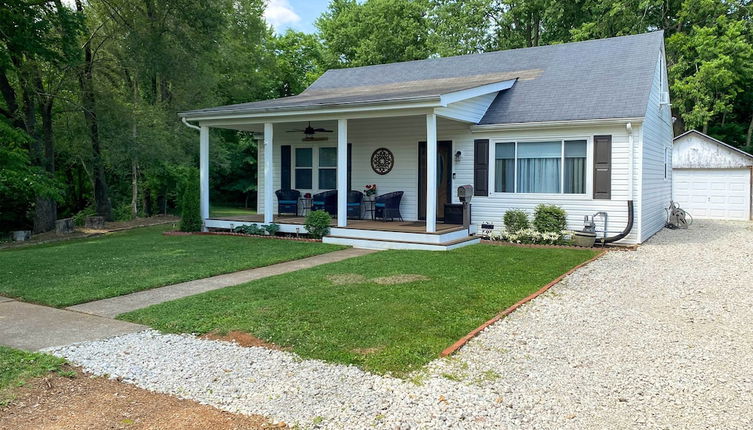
360 224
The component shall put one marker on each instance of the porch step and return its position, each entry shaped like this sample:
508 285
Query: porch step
400 236
401 244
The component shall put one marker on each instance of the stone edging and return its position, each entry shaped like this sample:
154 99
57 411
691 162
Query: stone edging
539 245
223 233
463 340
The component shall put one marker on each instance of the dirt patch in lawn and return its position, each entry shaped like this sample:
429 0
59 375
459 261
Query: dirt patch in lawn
399 279
86 402
346 278
368 351
243 339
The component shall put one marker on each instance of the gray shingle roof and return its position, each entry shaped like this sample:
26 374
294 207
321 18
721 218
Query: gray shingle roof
595 79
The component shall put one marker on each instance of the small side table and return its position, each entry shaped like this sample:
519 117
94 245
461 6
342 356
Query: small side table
304 205
369 207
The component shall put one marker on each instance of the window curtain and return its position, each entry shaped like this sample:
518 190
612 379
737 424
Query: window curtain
575 167
504 167
538 175
539 165
575 175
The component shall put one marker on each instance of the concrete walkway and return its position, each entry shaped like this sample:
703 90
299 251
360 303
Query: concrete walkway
115 306
34 327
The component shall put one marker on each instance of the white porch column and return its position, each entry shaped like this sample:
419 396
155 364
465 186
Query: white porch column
204 173
431 172
268 173
342 172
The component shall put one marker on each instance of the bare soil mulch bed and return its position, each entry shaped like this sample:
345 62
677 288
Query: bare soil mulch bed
81 232
85 402
244 339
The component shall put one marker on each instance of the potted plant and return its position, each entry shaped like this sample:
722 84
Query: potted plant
370 191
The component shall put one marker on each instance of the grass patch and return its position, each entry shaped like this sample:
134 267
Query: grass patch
17 367
221 211
77 271
329 313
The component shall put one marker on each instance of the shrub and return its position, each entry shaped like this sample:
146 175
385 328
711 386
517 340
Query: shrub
122 212
249 229
272 228
516 220
317 224
190 216
549 219
80 217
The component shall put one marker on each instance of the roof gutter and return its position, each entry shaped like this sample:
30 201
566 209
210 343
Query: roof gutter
184 121
418 102
565 123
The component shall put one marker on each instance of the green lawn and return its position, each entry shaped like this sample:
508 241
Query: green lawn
76 271
221 211
380 327
16 367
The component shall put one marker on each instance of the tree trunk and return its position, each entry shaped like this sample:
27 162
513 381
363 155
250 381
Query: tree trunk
749 136
705 127
102 203
134 187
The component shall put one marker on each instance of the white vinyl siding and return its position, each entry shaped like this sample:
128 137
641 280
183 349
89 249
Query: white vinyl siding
492 208
657 134
470 110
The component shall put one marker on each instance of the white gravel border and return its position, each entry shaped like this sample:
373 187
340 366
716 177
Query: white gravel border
657 338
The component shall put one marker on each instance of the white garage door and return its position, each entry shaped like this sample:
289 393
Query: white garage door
712 193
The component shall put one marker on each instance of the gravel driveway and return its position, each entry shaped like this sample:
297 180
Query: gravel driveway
657 338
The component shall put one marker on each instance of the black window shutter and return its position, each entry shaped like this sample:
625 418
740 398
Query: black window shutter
603 167
350 166
481 167
285 167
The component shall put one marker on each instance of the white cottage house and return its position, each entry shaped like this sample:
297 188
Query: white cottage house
711 179
584 125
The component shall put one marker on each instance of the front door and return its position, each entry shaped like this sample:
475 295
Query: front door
444 177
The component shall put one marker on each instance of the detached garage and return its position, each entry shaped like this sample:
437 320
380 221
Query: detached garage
711 179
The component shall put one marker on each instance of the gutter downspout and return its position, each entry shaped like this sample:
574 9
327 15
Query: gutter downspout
184 121
630 209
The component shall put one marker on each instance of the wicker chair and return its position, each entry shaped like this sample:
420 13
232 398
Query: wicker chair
326 201
355 198
388 206
287 201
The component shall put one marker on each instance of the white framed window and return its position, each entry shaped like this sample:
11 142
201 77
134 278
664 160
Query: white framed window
304 164
556 166
327 168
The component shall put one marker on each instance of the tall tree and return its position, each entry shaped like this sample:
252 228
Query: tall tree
374 32
35 55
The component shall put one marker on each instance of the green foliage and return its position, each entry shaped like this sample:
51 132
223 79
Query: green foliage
17 367
122 212
190 211
20 181
361 320
272 228
549 219
82 270
374 32
516 220
317 224
249 229
79 219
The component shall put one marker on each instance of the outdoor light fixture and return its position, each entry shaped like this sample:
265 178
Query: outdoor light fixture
458 154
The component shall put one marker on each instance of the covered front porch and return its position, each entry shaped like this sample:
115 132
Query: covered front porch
400 145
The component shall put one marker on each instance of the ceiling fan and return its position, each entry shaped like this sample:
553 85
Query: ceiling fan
309 133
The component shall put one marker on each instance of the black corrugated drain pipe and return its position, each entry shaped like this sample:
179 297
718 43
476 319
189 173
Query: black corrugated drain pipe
625 232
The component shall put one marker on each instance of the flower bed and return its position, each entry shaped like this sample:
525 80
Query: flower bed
229 233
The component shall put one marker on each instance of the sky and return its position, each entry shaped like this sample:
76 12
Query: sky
296 14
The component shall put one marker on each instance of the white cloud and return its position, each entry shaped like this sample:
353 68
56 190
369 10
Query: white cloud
280 14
